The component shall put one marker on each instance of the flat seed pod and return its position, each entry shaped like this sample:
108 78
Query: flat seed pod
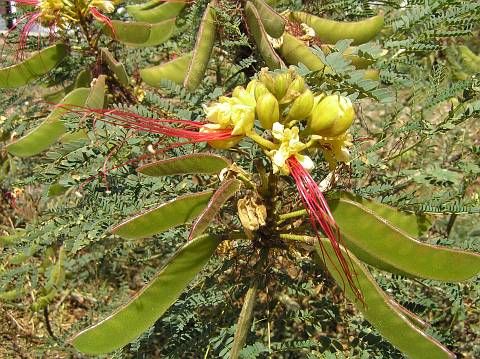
330 31
411 223
116 67
378 242
96 97
381 313
273 22
221 195
147 5
295 51
142 34
144 309
259 34
203 50
196 163
156 12
165 216
244 321
174 70
47 133
32 68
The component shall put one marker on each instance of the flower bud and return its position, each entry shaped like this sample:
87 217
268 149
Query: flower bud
301 107
281 84
243 96
295 89
260 89
225 144
268 111
266 78
221 144
297 85
236 91
332 116
251 87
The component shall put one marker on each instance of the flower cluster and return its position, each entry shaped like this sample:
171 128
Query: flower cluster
293 118
61 14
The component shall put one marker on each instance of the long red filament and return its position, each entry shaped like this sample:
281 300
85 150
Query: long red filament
186 129
320 216
162 126
102 18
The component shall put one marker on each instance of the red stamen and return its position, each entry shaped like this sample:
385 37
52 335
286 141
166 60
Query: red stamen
320 216
27 2
102 18
163 126
185 128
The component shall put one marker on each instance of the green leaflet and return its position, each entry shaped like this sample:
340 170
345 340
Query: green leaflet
56 189
32 68
156 11
381 313
295 51
222 195
142 34
274 23
160 218
378 242
202 51
244 322
174 70
141 312
50 130
257 30
330 31
116 67
196 163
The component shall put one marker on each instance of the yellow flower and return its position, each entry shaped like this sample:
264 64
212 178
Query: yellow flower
290 145
232 112
104 5
335 149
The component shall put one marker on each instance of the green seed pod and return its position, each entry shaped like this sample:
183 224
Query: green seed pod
330 31
301 107
268 110
332 116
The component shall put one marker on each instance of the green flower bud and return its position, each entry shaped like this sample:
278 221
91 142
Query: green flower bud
237 90
244 96
297 85
267 79
281 84
296 88
301 107
268 111
221 144
332 116
225 144
260 89
251 87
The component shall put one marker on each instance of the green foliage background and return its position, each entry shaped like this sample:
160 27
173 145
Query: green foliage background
420 152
